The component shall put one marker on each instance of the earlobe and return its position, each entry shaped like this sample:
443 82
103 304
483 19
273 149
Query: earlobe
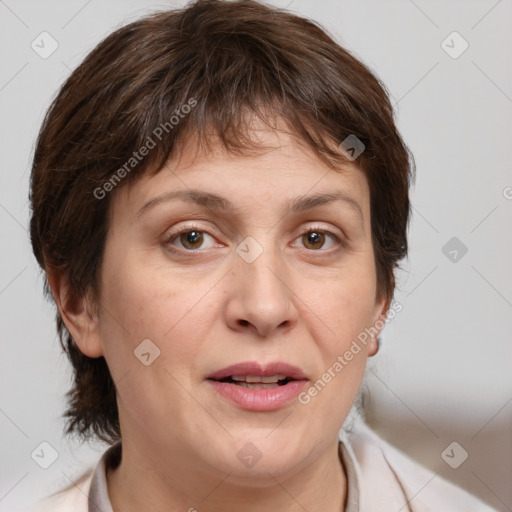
381 312
78 314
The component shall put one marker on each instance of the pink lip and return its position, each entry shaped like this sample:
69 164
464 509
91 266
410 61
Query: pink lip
255 368
268 399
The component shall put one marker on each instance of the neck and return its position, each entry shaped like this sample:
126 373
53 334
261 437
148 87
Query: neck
140 483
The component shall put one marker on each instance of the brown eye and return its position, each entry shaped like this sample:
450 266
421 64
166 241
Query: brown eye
313 240
317 239
191 239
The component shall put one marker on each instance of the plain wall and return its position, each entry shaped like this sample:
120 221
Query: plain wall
444 371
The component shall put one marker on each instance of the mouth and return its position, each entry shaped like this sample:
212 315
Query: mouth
256 382
257 387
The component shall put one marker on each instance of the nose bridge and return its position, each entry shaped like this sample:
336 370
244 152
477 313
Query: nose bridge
260 295
261 269
266 272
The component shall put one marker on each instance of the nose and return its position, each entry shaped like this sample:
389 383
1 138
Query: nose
260 296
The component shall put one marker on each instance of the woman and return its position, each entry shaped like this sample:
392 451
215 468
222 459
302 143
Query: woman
219 201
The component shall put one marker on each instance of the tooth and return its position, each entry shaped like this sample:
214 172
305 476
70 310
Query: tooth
261 385
253 378
273 378
257 385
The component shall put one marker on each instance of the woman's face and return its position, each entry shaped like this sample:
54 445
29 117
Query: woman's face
264 262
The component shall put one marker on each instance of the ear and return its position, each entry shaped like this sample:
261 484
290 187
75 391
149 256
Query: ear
78 313
379 321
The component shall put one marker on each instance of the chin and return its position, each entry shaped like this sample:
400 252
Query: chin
261 456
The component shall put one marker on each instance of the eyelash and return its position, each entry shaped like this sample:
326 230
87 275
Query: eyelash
341 243
317 229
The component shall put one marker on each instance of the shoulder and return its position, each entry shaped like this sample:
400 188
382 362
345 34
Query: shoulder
390 477
87 494
75 498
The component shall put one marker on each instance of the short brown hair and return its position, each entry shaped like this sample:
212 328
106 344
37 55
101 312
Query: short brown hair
231 59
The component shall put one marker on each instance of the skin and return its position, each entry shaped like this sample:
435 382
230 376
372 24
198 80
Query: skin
299 302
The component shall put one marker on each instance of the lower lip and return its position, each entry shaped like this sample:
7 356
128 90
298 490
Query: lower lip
253 399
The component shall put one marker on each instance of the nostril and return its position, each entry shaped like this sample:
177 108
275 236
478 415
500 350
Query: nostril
244 322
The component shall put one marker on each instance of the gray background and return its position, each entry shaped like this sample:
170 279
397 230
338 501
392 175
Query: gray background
444 372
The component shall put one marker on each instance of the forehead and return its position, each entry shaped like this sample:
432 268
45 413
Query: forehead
280 170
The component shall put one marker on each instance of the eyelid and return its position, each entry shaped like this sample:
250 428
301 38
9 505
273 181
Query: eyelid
324 229
171 236
340 239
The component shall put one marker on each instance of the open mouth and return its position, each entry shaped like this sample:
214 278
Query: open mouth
259 387
255 382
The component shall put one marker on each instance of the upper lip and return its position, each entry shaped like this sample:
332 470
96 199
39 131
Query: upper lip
253 368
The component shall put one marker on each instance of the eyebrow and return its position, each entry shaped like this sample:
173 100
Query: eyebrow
216 202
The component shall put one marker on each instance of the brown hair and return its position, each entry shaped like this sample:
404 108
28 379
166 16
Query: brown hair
223 60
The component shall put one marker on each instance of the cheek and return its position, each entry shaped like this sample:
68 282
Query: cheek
345 306
347 313
143 302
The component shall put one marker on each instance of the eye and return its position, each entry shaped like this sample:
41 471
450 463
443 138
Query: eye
315 238
189 239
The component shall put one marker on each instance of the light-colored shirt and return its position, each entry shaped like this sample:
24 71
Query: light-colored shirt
379 478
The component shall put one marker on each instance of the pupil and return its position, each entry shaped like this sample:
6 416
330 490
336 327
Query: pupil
192 237
314 238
